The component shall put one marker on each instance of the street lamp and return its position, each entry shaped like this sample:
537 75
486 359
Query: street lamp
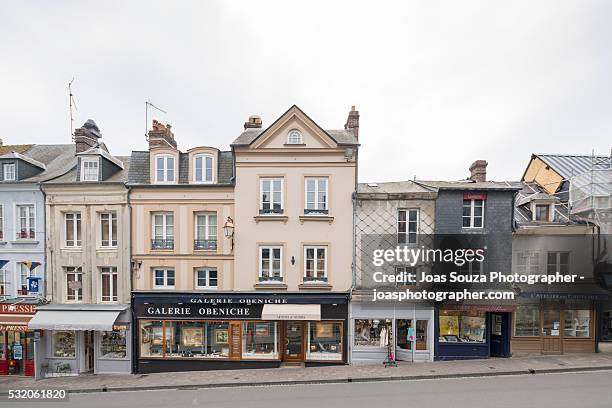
228 230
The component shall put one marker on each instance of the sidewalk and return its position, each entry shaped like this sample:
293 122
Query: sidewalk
334 374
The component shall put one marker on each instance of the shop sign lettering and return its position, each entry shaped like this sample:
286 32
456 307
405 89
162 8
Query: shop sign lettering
8 308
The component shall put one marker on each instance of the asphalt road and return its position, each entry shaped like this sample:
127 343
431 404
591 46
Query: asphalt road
571 390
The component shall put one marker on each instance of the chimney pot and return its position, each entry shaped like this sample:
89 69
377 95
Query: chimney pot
352 122
161 136
87 136
254 122
478 171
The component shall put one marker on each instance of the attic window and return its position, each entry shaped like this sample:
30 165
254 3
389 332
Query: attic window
89 170
542 212
294 137
9 172
203 168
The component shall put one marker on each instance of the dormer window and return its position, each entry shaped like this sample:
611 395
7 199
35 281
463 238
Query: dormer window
295 137
9 171
542 212
164 169
89 169
203 168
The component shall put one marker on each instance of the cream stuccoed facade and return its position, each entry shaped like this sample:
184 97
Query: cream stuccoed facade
86 323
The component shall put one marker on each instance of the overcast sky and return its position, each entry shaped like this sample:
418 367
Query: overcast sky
438 84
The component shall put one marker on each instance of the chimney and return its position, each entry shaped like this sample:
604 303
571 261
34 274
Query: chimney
352 122
478 171
87 136
254 122
161 136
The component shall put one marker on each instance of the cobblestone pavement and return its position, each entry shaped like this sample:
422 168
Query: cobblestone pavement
404 371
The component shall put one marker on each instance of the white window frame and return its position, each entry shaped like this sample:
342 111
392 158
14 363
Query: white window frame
111 272
272 191
20 267
207 216
298 141
78 272
3 282
112 216
87 172
207 278
164 226
316 194
13 171
2 237
165 169
31 217
471 216
407 233
165 278
77 241
204 158
316 271
270 262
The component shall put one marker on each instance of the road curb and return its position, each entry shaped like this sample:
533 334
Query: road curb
347 380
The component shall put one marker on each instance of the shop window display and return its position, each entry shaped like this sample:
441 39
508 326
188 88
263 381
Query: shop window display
462 327
260 340
372 332
324 341
184 339
577 323
114 344
405 327
64 343
527 321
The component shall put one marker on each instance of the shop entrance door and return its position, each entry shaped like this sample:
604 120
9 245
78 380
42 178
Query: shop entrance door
89 350
551 331
294 342
16 345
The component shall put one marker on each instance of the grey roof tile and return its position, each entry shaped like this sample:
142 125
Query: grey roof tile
570 165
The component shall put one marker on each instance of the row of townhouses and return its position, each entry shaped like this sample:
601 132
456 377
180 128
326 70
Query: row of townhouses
261 256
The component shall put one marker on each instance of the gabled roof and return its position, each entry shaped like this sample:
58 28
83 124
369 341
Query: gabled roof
98 151
340 136
15 155
570 165
70 177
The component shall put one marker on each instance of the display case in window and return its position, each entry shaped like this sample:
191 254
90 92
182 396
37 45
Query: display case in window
64 344
372 332
462 327
577 323
324 341
113 344
260 340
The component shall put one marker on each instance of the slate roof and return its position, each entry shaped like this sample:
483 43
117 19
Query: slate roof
472 185
120 176
57 159
20 148
396 190
570 165
340 136
140 169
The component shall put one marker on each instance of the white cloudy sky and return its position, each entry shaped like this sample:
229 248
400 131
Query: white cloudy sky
438 84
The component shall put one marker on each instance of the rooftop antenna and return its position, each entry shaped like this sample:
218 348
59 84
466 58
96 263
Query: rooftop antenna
73 107
147 104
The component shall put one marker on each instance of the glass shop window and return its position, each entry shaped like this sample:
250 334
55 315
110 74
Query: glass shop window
405 329
114 344
462 327
64 343
606 334
151 339
259 340
527 321
577 323
324 341
372 332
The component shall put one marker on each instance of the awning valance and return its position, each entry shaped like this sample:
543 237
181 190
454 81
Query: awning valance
291 312
101 320
14 322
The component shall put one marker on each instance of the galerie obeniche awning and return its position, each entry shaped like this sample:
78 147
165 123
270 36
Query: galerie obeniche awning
291 312
73 317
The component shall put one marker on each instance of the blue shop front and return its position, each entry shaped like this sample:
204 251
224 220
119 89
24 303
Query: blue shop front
472 331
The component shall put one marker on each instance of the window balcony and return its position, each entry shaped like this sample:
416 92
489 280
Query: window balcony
271 211
273 279
205 244
312 211
315 279
161 243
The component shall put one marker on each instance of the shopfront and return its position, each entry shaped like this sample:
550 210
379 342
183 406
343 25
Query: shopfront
84 339
550 322
404 330
195 331
16 341
471 331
